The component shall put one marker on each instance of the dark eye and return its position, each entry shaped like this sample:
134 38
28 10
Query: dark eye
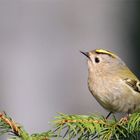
97 60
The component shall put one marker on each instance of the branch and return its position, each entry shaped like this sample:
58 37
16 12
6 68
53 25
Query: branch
90 127
7 125
81 127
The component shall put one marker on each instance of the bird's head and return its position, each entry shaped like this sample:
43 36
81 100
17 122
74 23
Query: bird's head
101 60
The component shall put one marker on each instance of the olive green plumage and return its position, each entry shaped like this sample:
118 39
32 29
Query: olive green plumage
112 83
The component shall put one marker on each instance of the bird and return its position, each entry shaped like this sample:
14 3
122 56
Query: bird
112 83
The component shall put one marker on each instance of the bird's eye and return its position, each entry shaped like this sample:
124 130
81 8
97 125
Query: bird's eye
97 60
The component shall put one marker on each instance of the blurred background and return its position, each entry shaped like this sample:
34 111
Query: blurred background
41 69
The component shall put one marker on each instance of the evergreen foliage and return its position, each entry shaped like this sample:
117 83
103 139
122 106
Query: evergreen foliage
81 127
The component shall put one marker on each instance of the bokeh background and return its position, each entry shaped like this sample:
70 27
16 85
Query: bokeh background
41 69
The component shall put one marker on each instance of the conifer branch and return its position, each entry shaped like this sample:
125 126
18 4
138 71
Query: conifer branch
90 127
81 127
7 125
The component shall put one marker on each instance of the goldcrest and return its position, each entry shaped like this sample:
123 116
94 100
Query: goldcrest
111 82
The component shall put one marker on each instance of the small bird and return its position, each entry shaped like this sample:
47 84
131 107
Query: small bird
112 83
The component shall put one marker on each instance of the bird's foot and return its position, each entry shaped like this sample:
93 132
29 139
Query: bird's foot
124 119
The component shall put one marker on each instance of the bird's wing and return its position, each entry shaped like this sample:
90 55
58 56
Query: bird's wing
134 84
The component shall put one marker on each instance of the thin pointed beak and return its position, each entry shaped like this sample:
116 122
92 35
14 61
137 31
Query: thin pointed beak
86 54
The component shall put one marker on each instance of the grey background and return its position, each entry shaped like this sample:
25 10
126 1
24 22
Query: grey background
41 69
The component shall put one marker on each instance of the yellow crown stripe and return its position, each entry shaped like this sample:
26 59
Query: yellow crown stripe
101 51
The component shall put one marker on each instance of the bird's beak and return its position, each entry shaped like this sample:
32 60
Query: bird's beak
86 54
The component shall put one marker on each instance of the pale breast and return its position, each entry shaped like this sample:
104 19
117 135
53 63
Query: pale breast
113 96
